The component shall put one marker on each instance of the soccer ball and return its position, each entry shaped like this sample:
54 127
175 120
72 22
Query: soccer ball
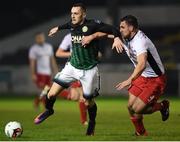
13 129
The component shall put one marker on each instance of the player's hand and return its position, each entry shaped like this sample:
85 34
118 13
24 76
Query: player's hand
53 31
86 40
118 44
126 83
34 77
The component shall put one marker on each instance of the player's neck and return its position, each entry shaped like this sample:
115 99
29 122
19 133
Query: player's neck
133 34
40 44
82 22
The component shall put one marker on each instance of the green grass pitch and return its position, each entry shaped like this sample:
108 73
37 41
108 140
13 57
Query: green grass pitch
112 121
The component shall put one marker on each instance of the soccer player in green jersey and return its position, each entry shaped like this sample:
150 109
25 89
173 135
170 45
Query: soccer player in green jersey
82 65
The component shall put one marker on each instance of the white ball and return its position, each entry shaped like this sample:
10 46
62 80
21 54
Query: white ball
13 129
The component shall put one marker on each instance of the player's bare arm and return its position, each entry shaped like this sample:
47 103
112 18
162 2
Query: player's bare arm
87 39
33 69
105 28
62 54
118 44
53 31
54 65
141 59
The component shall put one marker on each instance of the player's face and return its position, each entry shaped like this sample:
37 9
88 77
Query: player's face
40 38
77 15
125 30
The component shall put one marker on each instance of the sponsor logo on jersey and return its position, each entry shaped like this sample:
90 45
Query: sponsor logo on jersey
84 29
77 39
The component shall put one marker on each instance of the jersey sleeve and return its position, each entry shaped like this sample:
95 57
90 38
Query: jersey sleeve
65 26
66 42
106 28
140 47
32 53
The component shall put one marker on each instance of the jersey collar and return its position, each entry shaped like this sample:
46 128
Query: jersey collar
133 36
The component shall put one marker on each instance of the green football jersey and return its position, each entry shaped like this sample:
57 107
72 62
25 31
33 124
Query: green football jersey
86 57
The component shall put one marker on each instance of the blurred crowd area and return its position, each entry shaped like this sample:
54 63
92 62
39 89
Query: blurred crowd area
18 16
159 21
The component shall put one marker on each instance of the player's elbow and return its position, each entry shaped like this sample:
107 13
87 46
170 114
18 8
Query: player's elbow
142 66
58 54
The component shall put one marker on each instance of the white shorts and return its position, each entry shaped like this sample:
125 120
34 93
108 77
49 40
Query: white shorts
90 79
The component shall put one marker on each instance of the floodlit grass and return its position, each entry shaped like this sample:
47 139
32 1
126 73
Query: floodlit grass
112 121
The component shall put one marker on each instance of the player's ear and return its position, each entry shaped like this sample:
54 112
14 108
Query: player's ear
84 15
131 28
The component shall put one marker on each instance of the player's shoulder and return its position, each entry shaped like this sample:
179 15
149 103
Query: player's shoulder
141 35
33 47
94 21
139 42
139 38
67 36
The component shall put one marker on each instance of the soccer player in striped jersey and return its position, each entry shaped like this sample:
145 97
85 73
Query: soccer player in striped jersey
82 65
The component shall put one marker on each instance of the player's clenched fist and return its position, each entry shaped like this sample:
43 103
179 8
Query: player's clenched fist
53 31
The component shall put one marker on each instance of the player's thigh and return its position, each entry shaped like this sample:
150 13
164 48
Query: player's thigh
131 100
55 90
40 82
139 106
81 98
151 93
75 91
66 76
90 81
74 94
136 89
48 80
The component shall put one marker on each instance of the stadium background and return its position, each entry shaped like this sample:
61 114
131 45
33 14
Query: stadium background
20 20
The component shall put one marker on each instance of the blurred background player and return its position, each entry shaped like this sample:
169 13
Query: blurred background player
42 65
75 91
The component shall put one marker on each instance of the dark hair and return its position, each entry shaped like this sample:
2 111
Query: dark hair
130 20
83 7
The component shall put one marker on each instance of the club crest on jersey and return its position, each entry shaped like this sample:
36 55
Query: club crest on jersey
84 29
